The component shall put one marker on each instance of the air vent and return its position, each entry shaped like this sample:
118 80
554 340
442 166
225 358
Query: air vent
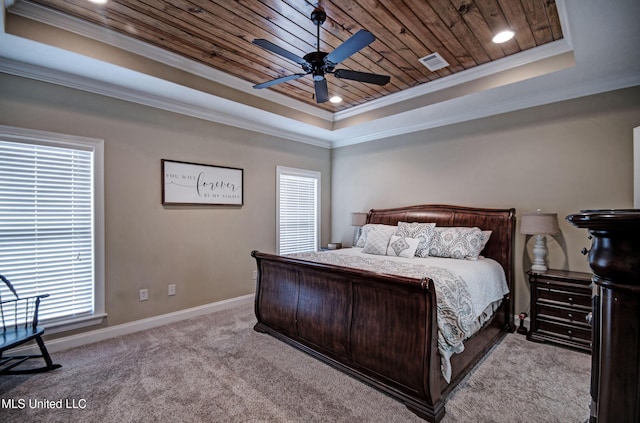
433 62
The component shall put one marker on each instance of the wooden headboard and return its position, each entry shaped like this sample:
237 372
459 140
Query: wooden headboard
502 223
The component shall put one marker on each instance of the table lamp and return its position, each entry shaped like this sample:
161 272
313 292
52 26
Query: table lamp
539 224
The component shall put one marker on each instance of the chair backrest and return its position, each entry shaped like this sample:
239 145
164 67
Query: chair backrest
9 285
19 312
20 325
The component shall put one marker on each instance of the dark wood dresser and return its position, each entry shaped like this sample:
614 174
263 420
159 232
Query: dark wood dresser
560 303
614 258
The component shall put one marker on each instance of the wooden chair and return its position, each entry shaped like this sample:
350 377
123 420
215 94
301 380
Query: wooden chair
20 325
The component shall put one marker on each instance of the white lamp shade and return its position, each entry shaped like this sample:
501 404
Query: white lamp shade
539 224
358 219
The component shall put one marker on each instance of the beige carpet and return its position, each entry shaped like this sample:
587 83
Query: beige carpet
215 368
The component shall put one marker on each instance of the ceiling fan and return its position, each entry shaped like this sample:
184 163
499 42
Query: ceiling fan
318 63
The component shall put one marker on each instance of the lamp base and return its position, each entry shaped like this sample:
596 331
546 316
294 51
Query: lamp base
539 251
539 268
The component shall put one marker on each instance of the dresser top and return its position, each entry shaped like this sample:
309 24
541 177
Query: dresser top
628 219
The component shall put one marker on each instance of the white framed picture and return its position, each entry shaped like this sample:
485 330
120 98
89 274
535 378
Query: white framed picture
186 183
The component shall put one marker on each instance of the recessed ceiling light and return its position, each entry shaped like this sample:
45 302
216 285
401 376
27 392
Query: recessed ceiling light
99 1
335 99
503 37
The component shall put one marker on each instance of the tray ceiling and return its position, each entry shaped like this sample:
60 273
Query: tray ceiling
197 58
219 34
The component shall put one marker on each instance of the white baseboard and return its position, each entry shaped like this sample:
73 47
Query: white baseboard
89 337
84 338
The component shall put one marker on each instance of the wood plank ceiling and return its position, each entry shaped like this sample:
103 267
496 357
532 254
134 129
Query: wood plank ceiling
219 34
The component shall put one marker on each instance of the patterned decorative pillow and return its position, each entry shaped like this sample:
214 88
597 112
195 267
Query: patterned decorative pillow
401 246
378 238
421 231
371 227
457 242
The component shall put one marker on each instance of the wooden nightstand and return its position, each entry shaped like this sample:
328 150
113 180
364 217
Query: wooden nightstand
560 302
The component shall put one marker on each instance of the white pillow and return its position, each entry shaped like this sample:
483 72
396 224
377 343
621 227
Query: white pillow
372 227
377 239
401 246
424 232
457 242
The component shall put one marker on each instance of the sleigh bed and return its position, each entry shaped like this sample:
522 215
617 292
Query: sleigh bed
382 328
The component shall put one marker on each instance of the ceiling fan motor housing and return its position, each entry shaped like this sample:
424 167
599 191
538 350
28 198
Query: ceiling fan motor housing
318 66
318 16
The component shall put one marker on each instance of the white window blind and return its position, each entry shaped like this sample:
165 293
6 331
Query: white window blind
47 226
298 214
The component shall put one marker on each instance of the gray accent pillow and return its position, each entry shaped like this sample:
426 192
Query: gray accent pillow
457 242
370 227
421 231
401 246
377 239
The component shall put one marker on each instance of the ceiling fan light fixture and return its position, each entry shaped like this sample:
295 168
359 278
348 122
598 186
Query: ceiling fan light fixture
98 1
336 99
503 36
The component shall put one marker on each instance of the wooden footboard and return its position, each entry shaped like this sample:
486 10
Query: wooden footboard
378 328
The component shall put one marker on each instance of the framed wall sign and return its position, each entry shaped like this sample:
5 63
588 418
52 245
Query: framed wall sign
190 183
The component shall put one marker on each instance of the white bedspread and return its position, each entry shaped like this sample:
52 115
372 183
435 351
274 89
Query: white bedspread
485 278
468 291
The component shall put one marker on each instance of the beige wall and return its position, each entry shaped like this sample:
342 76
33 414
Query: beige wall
559 158
563 158
205 251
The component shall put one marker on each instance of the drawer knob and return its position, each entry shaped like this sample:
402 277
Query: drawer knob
570 332
570 316
570 299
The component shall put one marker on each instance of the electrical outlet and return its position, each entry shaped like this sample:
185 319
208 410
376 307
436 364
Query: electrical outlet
144 294
255 275
171 289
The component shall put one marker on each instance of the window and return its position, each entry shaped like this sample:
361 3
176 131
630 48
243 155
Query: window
51 223
298 210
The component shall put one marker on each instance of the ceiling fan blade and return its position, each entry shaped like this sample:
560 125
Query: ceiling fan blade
279 80
322 92
369 78
268 45
355 43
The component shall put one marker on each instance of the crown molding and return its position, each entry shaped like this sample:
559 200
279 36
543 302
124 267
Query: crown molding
527 57
148 91
483 104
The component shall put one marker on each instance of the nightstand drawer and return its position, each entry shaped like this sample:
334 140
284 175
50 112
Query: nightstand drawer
569 314
564 331
560 302
563 296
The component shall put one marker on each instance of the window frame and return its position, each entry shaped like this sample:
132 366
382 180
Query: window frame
290 171
54 139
